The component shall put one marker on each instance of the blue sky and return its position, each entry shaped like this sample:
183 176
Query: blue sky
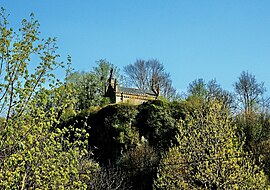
192 38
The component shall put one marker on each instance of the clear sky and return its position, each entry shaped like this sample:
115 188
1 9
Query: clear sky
192 38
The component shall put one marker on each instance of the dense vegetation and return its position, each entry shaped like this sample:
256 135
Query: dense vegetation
66 135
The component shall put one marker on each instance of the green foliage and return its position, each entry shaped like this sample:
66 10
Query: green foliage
156 124
102 71
253 117
34 153
199 91
198 88
254 129
209 155
90 86
262 156
113 131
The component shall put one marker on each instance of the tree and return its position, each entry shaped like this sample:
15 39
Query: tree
140 164
156 124
150 75
89 90
90 86
102 71
197 88
200 91
249 92
215 92
113 132
111 178
209 155
34 153
250 103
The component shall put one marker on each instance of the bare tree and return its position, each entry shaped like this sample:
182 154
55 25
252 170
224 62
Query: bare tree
109 178
254 116
150 75
137 74
249 92
215 91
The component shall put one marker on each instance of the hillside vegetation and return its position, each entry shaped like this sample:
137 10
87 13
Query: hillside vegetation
66 135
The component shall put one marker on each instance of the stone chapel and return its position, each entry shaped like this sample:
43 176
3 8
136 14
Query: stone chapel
118 94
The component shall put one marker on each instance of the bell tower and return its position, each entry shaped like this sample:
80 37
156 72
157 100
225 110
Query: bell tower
111 87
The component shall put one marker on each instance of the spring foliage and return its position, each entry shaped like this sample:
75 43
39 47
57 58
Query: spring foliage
209 156
34 153
45 126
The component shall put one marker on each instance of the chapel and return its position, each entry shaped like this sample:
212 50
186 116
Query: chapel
119 94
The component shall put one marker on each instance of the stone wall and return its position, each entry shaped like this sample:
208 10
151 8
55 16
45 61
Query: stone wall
133 98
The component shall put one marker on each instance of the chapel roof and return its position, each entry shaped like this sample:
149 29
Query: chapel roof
136 91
